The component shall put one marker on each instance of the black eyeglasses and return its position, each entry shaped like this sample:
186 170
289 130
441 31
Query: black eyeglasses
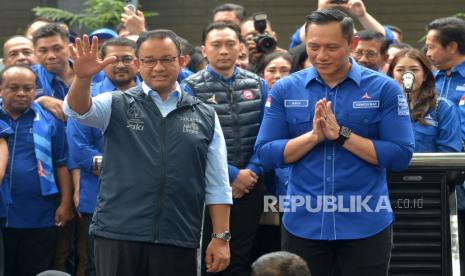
358 54
126 60
151 62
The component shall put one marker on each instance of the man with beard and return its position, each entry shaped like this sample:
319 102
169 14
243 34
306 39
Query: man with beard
85 143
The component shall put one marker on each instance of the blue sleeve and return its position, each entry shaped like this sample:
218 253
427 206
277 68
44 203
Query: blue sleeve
98 115
82 147
389 36
395 147
217 190
186 88
5 129
273 135
295 39
449 138
59 143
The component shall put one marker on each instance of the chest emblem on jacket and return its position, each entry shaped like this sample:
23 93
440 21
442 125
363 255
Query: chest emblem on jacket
135 121
190 124
212 100
247 95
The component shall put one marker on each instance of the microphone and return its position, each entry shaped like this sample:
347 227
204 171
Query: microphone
408 78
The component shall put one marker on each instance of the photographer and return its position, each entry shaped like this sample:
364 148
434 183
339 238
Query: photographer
260 38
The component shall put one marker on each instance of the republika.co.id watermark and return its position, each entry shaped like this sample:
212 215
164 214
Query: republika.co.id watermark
341 204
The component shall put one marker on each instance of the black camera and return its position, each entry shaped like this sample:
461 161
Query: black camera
265 43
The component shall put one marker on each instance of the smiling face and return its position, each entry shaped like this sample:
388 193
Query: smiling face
19 51
119 72
163 75
328 50
409 64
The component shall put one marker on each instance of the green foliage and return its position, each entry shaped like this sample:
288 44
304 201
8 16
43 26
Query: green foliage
96 14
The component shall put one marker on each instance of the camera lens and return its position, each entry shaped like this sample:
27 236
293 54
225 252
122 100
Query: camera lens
265 43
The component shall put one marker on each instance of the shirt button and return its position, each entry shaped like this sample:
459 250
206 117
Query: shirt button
365 121
329 157
328 178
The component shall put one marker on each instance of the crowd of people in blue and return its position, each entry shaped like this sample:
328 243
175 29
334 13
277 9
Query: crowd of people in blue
132 152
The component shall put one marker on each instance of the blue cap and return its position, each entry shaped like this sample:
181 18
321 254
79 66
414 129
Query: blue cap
103 33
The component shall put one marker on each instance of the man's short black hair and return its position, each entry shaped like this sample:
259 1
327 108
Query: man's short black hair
367 35
50 30
449 29
116 41
220 26
158 34
326 16
280 263
238 10
9 67
186 48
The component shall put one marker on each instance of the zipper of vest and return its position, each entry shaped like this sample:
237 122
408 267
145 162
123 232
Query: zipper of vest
159 201
11 169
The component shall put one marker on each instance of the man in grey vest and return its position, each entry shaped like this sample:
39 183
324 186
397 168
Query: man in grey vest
164 157
238 97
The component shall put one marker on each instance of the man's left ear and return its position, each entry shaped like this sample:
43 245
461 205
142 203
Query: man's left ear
452 47
355 41
182 61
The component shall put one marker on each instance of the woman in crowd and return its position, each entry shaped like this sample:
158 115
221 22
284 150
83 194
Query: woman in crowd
274 66
436 121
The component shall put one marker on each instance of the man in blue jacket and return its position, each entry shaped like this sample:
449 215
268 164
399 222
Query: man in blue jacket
339 127
37 184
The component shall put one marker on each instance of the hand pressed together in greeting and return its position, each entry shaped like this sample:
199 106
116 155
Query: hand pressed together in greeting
325 125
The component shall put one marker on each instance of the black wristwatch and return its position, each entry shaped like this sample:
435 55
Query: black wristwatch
226 236
344 134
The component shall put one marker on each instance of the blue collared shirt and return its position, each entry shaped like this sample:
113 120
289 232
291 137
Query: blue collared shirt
253 164
30 209
442 134
451 86
217 190
5 131
371 105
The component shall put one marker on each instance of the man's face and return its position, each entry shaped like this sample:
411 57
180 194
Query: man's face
222 49
19 51
18 90
243 58
328 50
52 53
226 16
248 32
159 64
368 54
439 56
123 71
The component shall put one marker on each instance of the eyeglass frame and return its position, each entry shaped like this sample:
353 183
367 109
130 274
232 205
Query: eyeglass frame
120 59
371 55
165 61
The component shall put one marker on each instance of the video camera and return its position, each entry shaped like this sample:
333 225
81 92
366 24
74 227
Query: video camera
265 43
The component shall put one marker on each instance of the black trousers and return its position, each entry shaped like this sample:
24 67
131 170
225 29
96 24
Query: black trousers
362 257
29 251
126 258
245 215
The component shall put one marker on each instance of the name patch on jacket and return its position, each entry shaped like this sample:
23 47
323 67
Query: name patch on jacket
296 103
190 124
365 104
460 88
402 106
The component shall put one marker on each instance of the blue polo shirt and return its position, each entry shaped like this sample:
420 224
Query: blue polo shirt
371 105
84 144
442 134
29 208
5 131
254 164
451 86
49 84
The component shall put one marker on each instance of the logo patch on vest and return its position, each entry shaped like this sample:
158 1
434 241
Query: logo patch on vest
212 100
135 121
190 124
247 95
